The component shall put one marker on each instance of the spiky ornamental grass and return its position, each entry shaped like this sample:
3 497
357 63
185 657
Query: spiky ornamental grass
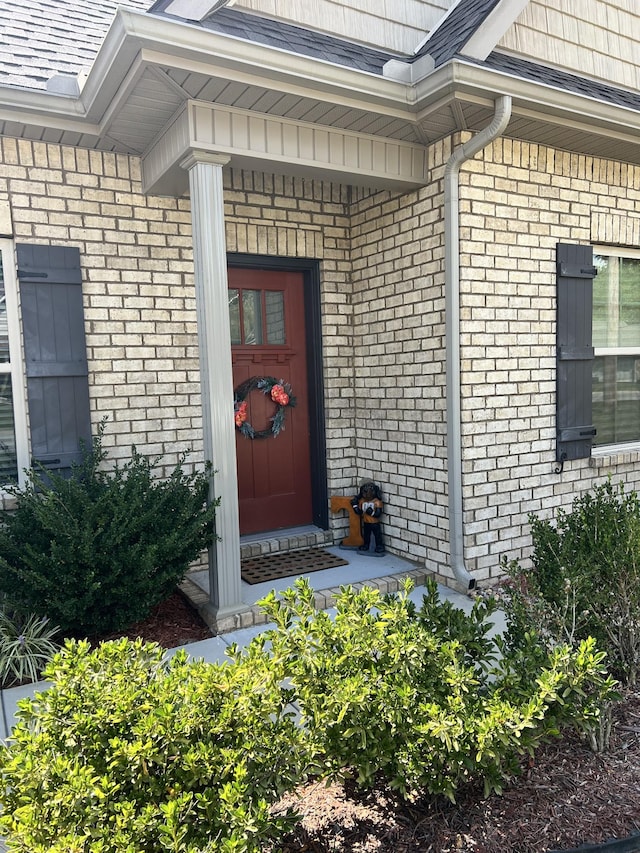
26 646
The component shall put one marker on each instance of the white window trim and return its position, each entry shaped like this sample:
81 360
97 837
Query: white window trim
16 366
615 449
618 251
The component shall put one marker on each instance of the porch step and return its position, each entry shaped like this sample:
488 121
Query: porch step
323 598
284 541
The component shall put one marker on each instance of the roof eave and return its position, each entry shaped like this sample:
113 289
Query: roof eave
533 98
136 40
133 32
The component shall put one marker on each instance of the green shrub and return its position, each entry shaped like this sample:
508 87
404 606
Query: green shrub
471 630
129 754
584 579
95 552
385 690
26 645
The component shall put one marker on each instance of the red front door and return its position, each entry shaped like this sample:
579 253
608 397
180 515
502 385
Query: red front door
268 340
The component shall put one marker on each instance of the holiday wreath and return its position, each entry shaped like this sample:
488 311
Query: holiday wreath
279 391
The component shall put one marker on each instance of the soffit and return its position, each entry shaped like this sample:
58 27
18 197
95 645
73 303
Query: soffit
160 91
152 101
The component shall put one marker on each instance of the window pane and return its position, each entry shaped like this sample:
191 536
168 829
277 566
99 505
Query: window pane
4 328
616 398
234 316
252 316
274 309
616 302
629 330
8 456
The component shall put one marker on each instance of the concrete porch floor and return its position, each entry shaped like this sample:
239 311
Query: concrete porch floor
360 568
385 572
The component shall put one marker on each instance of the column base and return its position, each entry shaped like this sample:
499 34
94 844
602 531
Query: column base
225 619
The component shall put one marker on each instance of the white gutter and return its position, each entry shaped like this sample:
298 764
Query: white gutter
496 128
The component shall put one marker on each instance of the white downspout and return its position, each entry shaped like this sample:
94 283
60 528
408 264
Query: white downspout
464 152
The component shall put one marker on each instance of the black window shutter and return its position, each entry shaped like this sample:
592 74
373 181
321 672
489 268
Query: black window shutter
55 353
574 421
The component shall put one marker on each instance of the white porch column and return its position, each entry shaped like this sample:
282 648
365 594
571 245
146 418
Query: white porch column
216 378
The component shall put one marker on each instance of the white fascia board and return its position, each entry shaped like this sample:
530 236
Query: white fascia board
34 102
44 114
492 29
263 63
409 72
111 66
475 84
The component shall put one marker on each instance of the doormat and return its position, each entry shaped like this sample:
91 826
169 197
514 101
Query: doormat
270 567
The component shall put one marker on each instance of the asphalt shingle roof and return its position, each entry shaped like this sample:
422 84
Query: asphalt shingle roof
39 38
561 79
277 34
461 23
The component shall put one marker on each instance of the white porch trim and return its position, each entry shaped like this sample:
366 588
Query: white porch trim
216 377
257 141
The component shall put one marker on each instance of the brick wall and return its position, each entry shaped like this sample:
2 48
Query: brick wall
516 201
398 287
382 295
138 285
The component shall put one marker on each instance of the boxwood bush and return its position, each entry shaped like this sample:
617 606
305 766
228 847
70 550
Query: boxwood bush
583 579
414 697
95 552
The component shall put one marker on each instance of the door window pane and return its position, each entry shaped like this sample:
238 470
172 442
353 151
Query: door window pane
234 316
274 310
252 316
256 317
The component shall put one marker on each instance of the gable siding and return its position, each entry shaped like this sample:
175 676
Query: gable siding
399 26
601 39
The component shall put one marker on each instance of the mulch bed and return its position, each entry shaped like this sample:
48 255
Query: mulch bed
173 622
566 796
